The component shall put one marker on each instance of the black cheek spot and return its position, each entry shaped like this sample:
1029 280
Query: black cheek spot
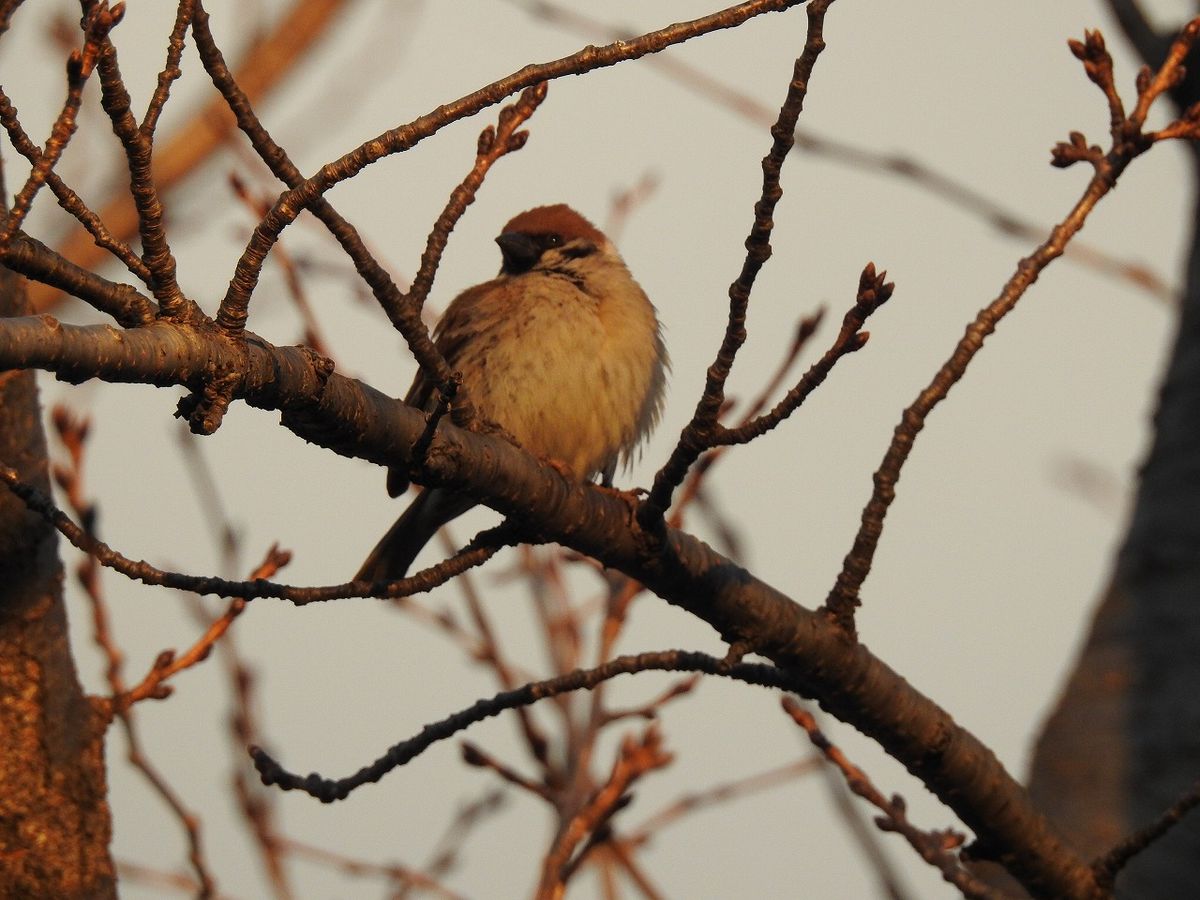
578 251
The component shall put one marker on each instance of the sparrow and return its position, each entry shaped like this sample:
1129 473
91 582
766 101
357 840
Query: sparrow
562 349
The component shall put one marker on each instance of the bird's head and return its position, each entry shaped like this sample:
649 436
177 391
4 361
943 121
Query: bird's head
549 237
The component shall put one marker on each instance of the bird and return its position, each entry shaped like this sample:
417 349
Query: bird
562 349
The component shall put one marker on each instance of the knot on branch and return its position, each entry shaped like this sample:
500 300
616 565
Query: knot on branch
205 409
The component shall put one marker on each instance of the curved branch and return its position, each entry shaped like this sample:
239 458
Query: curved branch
328 790
820 660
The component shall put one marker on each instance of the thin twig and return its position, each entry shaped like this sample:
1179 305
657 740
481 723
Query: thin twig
68 200
268 59
259 205
473 755
866 159
873 291
476 553
169 664
490 653
1128 143
170 71
156 252
691 492
96 24
328 790
698 435
626 202
398 140
452 841
635 759
935 847
494 143
402 877
73 432
650 709
721 793
1108 866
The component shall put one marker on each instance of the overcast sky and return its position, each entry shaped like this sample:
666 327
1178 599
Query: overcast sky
993 554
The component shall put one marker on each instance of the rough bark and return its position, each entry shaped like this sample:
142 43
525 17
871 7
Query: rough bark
54 817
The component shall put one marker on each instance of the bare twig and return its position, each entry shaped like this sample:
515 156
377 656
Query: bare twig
1128 143
873 291
267 61
401 877
474 756
935 847
691 491
493 144
866 159
1108 866
134 873
73 433
69 201
625 202
650 709
474 554
79 67
170 71
327 790
468 817
698 435
721 793
168 664
207 490
635 759
36 261
156 252
490 653
292 202
259 205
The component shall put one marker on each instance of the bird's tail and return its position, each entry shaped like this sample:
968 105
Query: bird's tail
394 554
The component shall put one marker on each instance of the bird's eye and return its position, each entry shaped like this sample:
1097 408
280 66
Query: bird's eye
553 240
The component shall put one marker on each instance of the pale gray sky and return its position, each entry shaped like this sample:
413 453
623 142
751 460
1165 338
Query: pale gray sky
988 567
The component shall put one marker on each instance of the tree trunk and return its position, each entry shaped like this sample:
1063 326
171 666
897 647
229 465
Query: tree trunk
54 817
1124 740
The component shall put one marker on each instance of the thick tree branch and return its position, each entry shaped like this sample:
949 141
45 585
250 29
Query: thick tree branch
848 681
37 262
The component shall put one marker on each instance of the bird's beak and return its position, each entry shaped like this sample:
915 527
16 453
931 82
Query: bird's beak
520 252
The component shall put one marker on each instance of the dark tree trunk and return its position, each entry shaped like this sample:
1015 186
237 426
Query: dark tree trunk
1124 740
54 817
